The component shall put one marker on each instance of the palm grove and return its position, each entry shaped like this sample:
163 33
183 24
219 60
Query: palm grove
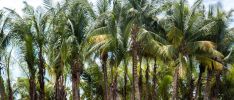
118 50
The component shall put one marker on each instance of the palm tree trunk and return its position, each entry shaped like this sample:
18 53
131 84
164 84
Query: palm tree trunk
175 84
104 68
32 84
208 87
2 88
217 86
10 93
135 87
125 80
60 93
140 79
115 87
148 95
190 79
154 96
32 87
75 80
199 84
41 75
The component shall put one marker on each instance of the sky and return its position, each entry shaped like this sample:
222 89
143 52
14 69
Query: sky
17 5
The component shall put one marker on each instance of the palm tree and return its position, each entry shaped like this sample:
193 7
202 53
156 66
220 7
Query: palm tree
22 30
221 37
186 41
40 25
78 22
3 40
100 38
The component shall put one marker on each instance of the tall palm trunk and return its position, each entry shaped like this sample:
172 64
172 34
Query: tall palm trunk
135 87
208 87
104 68
10 93
76 80
60 93
216 90
2 88
125 80
199 84
32 87
115 86
190 80
148 95
140 79
175 84
32 84
41 75
59 88
154 94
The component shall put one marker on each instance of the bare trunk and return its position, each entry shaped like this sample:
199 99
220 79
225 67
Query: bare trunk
199 84
60 93
140 79
76 80
148 95
41 75
10 93
208 87
135 87
190 79
175 84
104 68
32 87
2 88
125 81
216 90
154 96
115 87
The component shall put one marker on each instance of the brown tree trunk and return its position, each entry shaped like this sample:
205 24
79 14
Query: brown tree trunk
175 84
32 87
208 87
2 88
60 93
140 79
216 90
125 80
135 87
10 93
190 80
41 75
115 87
76 79
104 68
148 95
154 96
199 84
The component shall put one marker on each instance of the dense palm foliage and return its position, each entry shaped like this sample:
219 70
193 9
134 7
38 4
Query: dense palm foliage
117 50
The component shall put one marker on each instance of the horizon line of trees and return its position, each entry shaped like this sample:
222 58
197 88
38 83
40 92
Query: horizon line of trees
118 50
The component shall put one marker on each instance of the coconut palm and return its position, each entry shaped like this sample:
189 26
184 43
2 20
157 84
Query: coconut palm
78 21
